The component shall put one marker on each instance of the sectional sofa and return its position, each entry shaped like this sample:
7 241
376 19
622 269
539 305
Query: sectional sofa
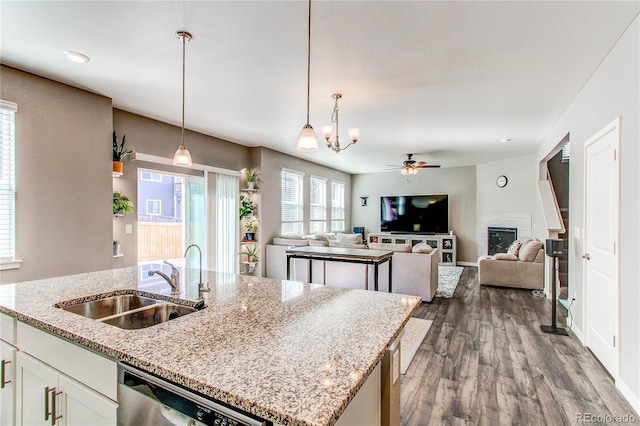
415 269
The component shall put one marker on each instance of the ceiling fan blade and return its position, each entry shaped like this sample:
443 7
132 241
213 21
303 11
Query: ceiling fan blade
419 164
429 166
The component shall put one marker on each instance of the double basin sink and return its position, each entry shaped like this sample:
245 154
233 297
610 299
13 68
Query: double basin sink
131 310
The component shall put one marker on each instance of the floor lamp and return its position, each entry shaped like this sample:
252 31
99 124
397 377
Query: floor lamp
554 249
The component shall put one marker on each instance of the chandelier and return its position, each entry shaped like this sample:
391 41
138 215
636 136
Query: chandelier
333 143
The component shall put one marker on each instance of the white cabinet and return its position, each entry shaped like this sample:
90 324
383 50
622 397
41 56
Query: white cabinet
48 397
61 383
7 384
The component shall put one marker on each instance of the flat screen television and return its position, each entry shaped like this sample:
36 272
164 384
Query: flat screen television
415 214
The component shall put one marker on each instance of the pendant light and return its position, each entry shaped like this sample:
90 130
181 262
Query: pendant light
308 140
182 157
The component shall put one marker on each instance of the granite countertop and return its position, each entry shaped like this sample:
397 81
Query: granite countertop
286 351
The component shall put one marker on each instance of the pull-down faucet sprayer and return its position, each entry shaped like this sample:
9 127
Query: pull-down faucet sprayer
201 285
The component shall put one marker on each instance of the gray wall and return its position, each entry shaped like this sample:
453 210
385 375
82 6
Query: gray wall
148 136
519 196
271 163
458 182
63 177
612 91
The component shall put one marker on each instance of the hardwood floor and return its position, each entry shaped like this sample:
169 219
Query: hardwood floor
486 362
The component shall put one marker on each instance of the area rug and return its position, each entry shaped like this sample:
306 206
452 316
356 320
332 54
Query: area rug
414 332
448 277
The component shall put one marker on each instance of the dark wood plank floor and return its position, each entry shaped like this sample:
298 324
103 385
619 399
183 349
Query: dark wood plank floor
486 362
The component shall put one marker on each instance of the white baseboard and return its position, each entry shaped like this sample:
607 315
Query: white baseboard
576 330
633 399
467 263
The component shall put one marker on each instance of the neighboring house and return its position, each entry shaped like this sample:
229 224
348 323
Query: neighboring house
159 197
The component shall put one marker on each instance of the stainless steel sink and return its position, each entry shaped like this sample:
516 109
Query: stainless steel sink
110 306
130 311
149 316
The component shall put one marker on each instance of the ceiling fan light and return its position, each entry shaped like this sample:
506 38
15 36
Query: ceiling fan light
307 140
182 157
405 171
327 131
354 134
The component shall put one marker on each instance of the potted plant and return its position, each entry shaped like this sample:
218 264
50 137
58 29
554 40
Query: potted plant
251 225
119 153
121 204
252 178
247 207
116 247
251 251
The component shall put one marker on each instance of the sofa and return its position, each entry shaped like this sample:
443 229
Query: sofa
415 269
521 267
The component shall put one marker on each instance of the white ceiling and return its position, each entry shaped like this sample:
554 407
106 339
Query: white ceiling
446 80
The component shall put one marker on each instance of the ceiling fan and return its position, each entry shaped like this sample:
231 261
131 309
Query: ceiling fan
411 166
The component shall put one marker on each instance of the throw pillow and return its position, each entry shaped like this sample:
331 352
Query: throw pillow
400 248
349 238
422 248
529 251
505 256
514 248
318 243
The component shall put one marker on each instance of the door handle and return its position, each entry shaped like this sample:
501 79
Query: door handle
586 256
3 374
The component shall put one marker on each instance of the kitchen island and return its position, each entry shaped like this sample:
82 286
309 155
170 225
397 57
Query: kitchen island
284 351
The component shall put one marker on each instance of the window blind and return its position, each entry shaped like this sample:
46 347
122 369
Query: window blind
226 223
292 202
7 181
317 204
337 206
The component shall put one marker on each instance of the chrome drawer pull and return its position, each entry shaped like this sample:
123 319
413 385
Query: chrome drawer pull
3 374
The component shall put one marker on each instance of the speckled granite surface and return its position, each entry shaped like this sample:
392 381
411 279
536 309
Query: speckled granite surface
285 351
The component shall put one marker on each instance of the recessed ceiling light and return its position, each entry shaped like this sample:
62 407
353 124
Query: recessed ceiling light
505 140
76 56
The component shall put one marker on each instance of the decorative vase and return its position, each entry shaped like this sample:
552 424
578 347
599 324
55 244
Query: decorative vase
117 166
251 186
250 236
116 249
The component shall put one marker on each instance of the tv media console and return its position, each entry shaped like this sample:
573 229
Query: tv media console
445 243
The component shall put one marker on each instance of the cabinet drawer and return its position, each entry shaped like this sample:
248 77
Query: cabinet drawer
8 329
94 370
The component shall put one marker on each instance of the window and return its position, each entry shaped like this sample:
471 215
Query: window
152 177
337 206
154 207
318 205
292 203
7 185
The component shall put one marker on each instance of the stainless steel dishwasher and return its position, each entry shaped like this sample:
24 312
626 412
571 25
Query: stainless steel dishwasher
147 400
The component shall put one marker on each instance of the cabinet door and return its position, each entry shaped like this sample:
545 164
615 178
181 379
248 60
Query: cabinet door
7 384
83 406
34 385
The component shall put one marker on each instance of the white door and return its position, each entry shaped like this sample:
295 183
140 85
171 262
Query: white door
7 384
601 245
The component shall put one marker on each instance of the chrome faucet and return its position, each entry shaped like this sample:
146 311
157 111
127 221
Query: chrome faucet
173 280
201 285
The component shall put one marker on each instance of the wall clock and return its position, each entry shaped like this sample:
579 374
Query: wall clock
501 181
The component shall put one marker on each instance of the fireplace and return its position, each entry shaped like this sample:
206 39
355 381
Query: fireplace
500 239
